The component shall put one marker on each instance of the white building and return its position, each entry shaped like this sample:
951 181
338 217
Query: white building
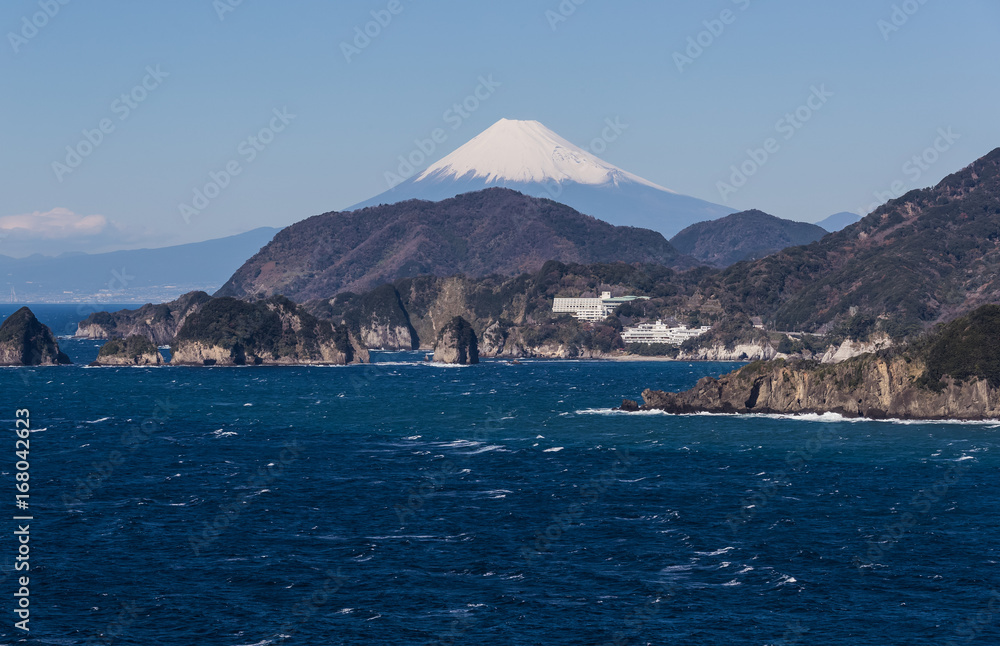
592 309
660 333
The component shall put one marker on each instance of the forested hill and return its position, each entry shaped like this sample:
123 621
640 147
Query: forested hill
495 231
929 256
747 235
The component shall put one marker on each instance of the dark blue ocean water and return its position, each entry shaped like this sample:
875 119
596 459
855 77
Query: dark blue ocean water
401 503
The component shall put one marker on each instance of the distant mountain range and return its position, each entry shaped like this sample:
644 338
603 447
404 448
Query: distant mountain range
140 275
838 221
743 236
494 231
529 158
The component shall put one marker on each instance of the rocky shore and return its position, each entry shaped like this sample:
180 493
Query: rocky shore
952 374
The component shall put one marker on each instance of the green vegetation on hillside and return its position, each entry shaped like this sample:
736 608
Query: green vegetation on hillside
494 231
743 236
133 346
257 328
928 256
966 348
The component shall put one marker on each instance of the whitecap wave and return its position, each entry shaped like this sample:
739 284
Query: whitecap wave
719 552
798 417
436 364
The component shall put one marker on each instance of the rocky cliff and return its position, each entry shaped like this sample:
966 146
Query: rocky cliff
134 351
25 341
867 386
512 316
158 323
457 343
953 374
276 331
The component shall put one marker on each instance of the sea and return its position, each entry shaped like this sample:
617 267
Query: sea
405 502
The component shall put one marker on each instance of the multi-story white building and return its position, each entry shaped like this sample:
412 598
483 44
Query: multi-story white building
660 333
592 309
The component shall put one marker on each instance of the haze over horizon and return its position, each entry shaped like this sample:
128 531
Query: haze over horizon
847 94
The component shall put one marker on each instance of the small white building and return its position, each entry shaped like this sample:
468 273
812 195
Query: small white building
660 333
592 309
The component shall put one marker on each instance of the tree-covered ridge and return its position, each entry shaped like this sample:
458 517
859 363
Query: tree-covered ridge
747 235
926 257
495 231
276 327
159 323
133 346
966 348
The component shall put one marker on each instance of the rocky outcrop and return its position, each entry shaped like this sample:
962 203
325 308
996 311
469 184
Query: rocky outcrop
158 323
230 332
134 351
382 321
868 386
754 351
457 343
851 348
494 343
25 341
952 374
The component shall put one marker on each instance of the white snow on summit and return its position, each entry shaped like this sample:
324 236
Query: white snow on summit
527 151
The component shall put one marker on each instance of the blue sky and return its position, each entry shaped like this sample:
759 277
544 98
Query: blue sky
216 72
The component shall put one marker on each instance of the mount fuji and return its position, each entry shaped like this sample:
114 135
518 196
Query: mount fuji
528 157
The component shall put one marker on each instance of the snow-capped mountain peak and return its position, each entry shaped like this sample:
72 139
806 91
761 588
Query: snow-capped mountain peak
526 156
511 152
